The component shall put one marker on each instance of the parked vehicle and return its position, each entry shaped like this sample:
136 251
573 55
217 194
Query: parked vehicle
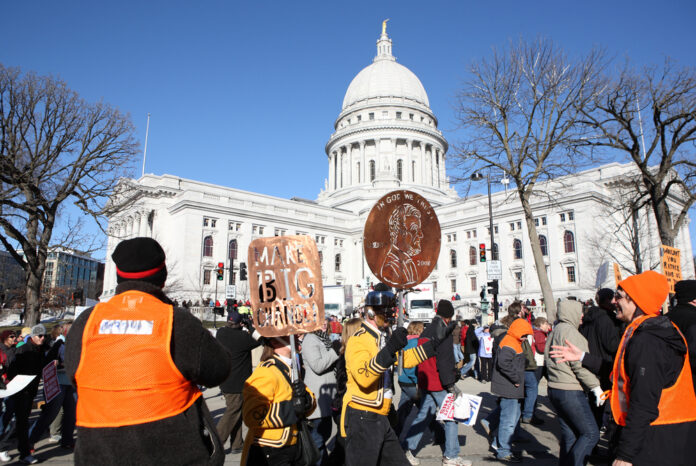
420 304
338 300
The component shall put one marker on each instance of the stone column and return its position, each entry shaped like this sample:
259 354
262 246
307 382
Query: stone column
363 162
350 164
331 172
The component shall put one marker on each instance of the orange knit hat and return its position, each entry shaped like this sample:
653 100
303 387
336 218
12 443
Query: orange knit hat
648 290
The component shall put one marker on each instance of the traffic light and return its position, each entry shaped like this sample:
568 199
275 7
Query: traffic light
221 271
493 287
482 252
242 271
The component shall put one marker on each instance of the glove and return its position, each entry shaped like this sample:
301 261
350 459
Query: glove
397 340
299 398
597 392
336 346
454 390
441 335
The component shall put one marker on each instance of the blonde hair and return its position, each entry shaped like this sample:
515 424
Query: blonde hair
415 328
349 328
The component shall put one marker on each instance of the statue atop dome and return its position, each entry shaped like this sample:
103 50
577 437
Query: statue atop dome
384 27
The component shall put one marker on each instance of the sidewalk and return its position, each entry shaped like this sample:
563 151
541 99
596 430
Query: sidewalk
540 447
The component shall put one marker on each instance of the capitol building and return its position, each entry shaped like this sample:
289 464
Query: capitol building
386 138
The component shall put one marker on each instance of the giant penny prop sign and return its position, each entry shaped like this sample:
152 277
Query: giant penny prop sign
285 286
402 239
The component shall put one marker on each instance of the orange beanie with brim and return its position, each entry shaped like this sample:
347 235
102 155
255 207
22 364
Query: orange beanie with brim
648 290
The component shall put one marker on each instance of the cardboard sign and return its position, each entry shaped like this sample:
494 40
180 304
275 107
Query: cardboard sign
617 273
287 296
50 381
671 265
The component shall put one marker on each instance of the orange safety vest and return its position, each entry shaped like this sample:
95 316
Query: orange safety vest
126 374
677 403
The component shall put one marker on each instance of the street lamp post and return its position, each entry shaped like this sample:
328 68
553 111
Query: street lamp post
477 176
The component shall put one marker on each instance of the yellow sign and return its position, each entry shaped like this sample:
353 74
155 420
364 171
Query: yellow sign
285 286
617 273
671 265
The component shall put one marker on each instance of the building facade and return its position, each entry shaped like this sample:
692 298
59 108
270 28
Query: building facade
386 138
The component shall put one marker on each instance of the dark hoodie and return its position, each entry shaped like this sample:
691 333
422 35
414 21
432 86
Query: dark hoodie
508 366
653 360
602 331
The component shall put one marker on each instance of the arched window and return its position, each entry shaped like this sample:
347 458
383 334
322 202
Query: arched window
453 258
400 170
372 170
338 262
494 252
472 255
517 248
232 253
569 241
544 245
208 246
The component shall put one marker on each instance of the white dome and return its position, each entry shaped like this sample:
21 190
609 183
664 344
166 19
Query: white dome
385 78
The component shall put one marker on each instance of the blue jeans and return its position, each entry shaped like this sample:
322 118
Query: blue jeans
408 399
509 417
430 404
458 355
321 432
579 432
470 365
531 390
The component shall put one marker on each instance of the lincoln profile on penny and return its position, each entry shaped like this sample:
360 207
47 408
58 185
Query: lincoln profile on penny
405 236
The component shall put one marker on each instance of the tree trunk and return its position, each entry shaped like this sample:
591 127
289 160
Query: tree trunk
544 283
32 306
663 219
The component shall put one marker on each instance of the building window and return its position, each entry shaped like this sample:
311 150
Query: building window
371 116
232 253
569 241
257 230
279 232
453 258
400 170
206 277
536 222
319 239
517 248
518 279
512 226
338 263
234 226
398 115
410 116
543 220
359 118
206 221
571 215
372 170
321 257
453 284
544 245
562 217
473 284
494 252
571 273
472 255
208 246
519 225
338 242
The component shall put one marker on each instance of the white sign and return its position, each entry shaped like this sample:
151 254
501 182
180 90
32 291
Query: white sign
231 292
494 270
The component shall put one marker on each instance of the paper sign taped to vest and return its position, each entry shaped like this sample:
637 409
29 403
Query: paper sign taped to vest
51 387
285 287
16 385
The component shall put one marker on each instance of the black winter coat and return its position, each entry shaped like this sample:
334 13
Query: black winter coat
444 356
187 438
684 317
653 360
603 332
471 343
239 343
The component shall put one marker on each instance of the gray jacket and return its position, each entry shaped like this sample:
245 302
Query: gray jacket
320 377
568 375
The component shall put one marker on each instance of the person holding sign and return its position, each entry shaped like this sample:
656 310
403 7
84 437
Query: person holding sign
273 407
137 362
370 355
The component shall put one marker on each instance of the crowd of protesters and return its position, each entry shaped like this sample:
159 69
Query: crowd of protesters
618 369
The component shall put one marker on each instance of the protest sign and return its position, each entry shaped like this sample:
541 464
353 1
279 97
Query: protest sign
50 381
671 265
285 287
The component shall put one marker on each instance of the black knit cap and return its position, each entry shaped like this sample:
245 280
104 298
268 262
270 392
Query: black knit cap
140 259
445 308
685 291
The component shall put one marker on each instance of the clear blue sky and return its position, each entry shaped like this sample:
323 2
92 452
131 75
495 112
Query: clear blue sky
244 94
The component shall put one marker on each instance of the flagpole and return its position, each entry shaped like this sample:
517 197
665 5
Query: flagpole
147 131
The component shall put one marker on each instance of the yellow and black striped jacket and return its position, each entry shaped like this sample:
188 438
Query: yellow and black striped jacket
364 389
267 407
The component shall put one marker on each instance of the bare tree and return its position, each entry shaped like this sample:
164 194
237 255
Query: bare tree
661 145
520 110
54 148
